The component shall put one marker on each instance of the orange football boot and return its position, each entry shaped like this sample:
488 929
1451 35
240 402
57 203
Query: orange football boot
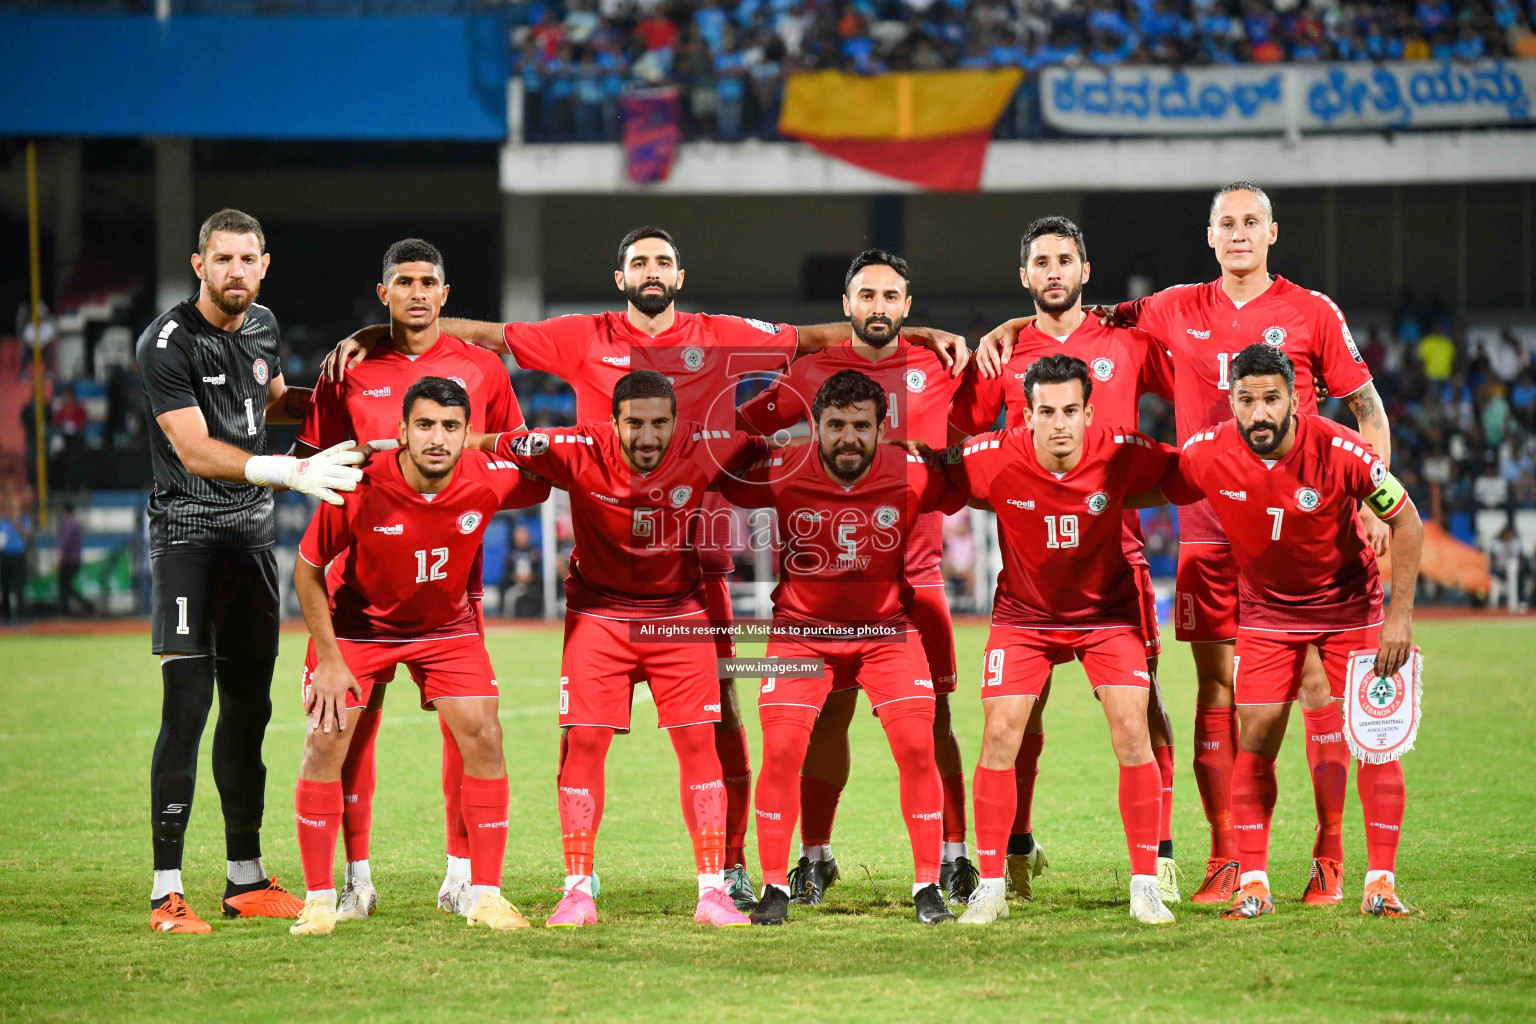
1326 886
1220 882
271 900
1252 901
1381 900
175 916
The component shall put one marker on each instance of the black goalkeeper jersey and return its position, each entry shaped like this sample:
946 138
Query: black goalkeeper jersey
186 361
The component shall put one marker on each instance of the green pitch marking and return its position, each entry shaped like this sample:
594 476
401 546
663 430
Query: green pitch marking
81 714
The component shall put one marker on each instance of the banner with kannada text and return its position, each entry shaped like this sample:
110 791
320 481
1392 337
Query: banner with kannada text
1268 98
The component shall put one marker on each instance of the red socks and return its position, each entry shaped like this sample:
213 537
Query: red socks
1253 804
736 770
1328 760
1026 767
953 787
818 806
786 735
993 791
922 796
485 813
1215 754
703 794
453 786
1141 800
1163 756
317 810
581 795
1382 795
359 778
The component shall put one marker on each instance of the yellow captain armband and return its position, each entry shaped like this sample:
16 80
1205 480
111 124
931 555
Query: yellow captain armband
1388 499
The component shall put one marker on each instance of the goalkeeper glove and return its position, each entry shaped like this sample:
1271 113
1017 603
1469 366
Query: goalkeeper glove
321 475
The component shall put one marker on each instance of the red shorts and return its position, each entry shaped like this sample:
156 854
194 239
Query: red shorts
455 667
930 617
893 673
1267 669
717 605
601 665
1018 659
1150 630
1205 594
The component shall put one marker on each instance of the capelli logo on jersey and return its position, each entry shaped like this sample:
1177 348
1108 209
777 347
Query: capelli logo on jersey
1236 495
1027 506
1139 674
1202 335
620 361
935 816
924 684
394 531
604 497
214 380
712 784
377 392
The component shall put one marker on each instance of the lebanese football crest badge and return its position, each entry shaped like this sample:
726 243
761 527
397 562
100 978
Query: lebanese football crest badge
1307 499
680 495
693 357
259 371
469 521
1274 337
1103 368
916 381
885 516
1098 501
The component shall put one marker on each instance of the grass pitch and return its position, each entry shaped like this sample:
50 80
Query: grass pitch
82 713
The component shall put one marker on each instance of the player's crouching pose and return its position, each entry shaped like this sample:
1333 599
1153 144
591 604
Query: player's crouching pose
1285 486
400 551
637 485
848 511
1058 486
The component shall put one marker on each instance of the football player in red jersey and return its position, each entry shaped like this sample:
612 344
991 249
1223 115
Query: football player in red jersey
706 357
848 511
1285 486
1066 591
637 484
877 299
1124 364
1204 326
400 551
365 406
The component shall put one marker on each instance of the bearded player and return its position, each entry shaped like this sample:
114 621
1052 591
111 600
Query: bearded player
1285 487
705 356
414 288
917 392
1203 327
637 484
1124 364
848 512
1058 486
400 551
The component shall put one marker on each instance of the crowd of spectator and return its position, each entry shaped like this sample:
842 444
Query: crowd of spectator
576 58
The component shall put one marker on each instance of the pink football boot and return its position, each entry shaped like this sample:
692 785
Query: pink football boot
576 910
715 907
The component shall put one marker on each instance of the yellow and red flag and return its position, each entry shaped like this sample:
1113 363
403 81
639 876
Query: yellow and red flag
927 127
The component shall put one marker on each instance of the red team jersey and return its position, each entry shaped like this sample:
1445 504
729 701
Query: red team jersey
400 560
841 560
1064 565
1124 362
1293 527
1203 330
637 535
918 390
705 357
366 405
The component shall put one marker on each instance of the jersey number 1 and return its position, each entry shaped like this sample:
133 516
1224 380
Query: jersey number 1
423 574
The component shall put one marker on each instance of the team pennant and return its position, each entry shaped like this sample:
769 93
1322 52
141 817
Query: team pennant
1381 714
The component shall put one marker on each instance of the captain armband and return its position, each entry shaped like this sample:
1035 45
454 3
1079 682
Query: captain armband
1388 499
